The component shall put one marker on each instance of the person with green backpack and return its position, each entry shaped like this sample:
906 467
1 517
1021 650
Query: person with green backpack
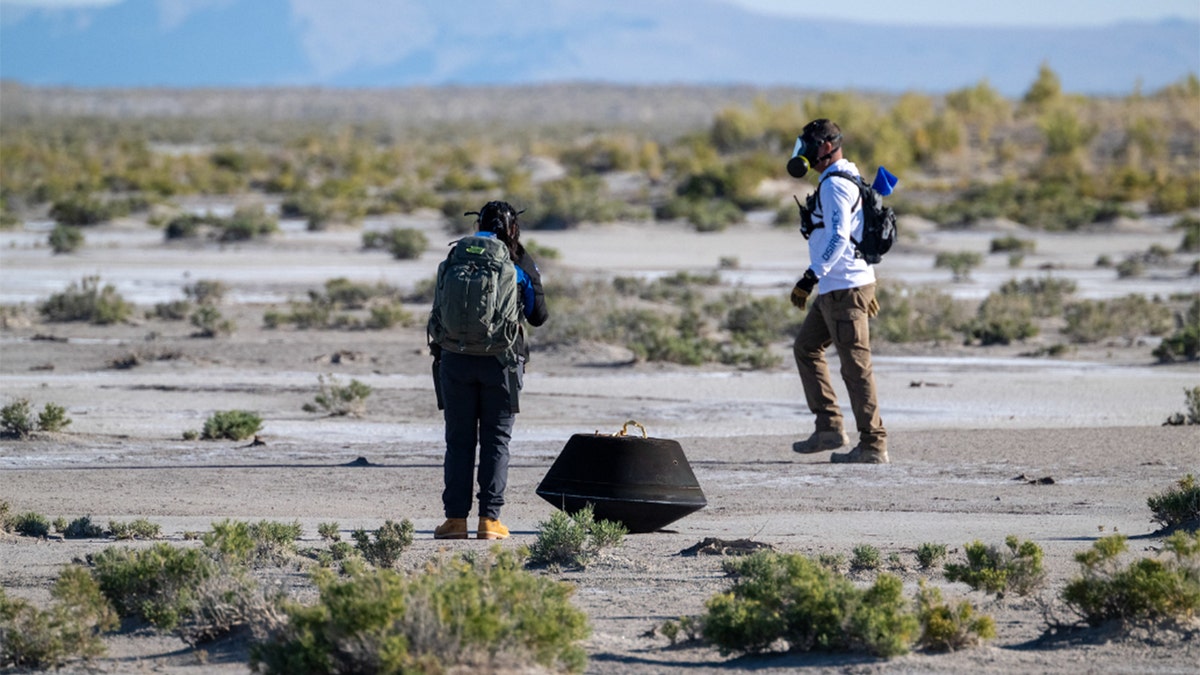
486 287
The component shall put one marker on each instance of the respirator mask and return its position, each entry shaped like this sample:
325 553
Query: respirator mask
804 154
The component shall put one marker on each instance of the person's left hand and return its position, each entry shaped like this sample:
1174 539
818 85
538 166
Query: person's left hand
872 307
803 289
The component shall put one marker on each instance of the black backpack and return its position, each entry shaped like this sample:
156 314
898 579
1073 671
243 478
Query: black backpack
879 220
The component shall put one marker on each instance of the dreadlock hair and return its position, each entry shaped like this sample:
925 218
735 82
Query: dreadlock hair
500 218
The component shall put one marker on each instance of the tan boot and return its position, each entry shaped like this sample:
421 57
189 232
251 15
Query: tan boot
490 528
453 528
820 441
860 455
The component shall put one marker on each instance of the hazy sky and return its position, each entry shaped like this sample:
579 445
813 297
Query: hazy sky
928 12
986 12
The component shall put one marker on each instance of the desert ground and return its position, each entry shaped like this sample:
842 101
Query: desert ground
972 431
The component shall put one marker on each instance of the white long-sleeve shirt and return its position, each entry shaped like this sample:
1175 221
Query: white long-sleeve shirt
830 251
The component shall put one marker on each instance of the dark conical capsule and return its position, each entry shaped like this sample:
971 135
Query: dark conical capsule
643 483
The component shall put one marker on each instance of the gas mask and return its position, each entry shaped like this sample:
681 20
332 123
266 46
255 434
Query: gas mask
804 154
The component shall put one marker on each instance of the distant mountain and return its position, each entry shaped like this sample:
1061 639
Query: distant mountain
397 43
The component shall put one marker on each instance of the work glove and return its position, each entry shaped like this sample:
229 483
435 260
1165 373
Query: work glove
872 307
803 289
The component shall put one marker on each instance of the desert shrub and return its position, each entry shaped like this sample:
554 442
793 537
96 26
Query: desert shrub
960 263
1047 294
540 252
793 598
389 542
574 540
329 531
225 602
930 554
247 223
86 300
1012 244
1184 343
31 638
1131 266
53 417
31 524
337 399
252 543
17 419
865 557
1148 589
1128 317
65 238
382 317
84 209
1003 318
917 315
176 310
6 520
155 584
1178 506
454 613
569 201
406 243
138 528
1191 234
205 291
758 321
948 628
209 322
997 571
83 528
233 425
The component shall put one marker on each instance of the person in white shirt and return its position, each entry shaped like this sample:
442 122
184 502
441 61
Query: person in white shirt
845 298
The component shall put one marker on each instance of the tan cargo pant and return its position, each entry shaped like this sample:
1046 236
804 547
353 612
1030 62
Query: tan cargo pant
840 318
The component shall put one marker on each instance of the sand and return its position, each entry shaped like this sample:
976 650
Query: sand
972 431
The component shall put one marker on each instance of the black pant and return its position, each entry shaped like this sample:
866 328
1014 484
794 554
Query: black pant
478 412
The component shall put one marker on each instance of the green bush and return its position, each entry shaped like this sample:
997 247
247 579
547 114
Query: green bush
53 417
17 419
205 291
389 542
917 315
1048 295
138 528
83 209
1128 317
247 223
453 614
65 239
87 301
574 540
1003 318
1012 244
992 570
42 639
155 584
796 599
865 557
233 425
406 243
930 554
960 263
253 544
1191 234
209 323
1147 590
337 399
83 528
1178 506
1184 343
946 628
31 524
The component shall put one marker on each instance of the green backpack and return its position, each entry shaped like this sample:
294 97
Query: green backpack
475 305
